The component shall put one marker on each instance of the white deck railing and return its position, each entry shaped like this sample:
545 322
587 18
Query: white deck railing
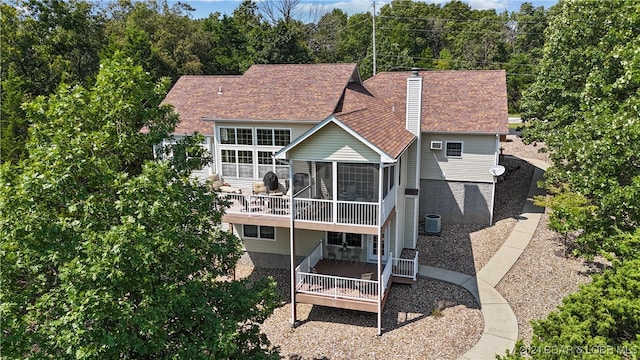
316 210
406 268
355 212
257 204
313 210
329 285
337 287
310 261
346 212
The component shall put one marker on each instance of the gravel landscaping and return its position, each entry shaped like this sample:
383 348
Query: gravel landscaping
436 319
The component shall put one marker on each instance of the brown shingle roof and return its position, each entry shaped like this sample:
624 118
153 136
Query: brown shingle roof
191 95
264 92
473 101
376 120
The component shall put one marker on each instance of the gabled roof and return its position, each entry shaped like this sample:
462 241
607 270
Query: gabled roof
372 121
467 101
376 120
283 92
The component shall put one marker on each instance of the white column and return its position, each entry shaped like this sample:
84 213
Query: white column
292 248
380 224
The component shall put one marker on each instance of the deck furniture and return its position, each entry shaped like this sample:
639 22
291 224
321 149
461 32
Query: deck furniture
331 253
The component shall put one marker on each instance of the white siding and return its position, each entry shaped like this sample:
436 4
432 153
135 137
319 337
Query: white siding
410 218
207 170
332 143
306 241
394 245
412 167
479 155
414 104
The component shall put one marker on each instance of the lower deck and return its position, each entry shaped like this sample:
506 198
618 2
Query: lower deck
347 285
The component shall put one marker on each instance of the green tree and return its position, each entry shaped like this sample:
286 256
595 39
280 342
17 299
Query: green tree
600 321
525 37
325 36
107 253
43 43
587 93
228 52
355 41
166 34
283 43
569 212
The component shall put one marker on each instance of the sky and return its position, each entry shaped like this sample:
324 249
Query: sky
205 7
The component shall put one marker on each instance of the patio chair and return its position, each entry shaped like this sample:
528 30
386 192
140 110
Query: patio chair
365 287
258 187
355 256
366 276
331 254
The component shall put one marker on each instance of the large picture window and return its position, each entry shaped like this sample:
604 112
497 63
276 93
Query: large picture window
248 152
259 232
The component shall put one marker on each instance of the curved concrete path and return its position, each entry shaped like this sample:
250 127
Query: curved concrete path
500 324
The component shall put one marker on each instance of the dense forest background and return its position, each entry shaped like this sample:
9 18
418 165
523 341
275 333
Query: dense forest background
45 43
80 190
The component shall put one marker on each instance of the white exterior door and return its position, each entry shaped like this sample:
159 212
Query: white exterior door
372 248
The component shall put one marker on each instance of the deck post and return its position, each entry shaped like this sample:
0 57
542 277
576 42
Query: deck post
380 249
292 251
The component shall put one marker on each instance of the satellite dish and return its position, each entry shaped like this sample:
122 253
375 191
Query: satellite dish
497 170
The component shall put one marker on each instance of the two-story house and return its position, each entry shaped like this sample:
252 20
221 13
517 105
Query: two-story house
357 164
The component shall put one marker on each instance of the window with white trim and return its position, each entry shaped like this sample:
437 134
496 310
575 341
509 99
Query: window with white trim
248 152
337 239
265 162
258 232
454 149
236 136
273 137
237 163
229 163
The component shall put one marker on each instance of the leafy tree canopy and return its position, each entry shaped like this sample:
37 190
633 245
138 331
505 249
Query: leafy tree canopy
586 100
107 253
600 321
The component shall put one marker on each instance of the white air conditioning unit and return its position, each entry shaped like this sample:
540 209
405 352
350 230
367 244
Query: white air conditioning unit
436 145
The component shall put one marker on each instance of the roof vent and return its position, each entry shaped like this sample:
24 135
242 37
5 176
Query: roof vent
414 71
219 90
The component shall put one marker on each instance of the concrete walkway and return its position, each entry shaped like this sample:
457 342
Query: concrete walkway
500 324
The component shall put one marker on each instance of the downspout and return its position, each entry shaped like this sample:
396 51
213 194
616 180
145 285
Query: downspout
493 188
417 200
